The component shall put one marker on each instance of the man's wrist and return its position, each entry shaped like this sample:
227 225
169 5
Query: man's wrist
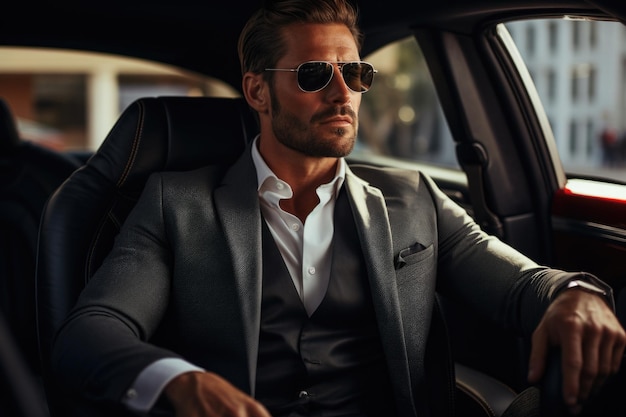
590 284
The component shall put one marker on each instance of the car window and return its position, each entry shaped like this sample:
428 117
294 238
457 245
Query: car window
579 70
401 117
69 100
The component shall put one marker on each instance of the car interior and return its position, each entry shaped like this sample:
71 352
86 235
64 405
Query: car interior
83 216
60 211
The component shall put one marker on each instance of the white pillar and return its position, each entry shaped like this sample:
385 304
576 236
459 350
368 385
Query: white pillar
103 105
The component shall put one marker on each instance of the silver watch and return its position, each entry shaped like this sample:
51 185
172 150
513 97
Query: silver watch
601 289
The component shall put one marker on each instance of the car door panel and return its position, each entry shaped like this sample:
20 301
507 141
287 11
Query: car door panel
589 233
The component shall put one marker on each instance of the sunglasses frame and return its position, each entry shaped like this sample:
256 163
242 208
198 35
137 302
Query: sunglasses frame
341 65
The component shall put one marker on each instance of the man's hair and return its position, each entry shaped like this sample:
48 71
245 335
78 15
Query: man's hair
261 42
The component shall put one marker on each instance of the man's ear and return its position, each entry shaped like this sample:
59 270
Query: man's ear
255 90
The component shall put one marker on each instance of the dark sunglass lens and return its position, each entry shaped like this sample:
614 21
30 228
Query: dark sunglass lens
313 76
358 76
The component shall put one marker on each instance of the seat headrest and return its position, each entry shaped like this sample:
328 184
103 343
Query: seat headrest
172 134
9 136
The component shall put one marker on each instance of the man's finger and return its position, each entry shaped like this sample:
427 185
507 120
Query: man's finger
591 364
538 355
572 360
618 356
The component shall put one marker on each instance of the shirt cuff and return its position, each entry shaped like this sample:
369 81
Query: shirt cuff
145 391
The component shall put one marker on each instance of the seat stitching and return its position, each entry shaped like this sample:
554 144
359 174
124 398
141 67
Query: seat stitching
122 179
92 250
135 147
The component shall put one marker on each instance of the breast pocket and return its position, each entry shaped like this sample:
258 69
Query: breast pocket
413 254
414 261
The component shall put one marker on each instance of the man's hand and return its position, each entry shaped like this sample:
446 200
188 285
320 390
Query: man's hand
205 394
591 341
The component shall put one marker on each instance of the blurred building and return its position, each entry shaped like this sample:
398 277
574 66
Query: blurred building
70 100
579 68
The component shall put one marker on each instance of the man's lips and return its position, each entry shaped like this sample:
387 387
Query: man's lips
338 116
338 120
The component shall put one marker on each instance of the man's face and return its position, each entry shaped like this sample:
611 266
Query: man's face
323 123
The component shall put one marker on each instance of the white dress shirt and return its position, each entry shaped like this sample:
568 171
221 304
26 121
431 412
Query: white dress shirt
306 250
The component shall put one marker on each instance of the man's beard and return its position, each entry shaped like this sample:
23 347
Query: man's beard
296 135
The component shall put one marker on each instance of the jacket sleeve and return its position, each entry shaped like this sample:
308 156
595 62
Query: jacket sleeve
488 275
101 347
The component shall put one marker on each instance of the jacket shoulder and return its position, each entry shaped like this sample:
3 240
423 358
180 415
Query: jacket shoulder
209 175
388 178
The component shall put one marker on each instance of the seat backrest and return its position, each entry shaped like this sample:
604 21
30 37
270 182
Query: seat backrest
29 173
83 217
21 393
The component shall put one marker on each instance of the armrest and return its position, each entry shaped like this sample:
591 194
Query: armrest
479 394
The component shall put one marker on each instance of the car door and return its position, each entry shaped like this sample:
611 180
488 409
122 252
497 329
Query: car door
521 177
535 177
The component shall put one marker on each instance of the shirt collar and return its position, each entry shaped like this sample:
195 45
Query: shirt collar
263 172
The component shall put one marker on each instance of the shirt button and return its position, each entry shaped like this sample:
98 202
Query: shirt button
280 185
131 393
303 394
311 270
295 227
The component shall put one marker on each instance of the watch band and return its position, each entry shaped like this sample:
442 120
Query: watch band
589 283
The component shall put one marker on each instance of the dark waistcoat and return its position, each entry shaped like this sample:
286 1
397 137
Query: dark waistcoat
331 363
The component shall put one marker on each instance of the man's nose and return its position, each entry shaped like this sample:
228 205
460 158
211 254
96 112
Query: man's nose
338 90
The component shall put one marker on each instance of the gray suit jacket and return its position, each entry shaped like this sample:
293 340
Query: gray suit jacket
184 278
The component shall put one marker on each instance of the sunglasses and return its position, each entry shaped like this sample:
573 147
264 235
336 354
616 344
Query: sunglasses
314 76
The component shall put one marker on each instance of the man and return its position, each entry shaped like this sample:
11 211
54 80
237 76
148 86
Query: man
297 285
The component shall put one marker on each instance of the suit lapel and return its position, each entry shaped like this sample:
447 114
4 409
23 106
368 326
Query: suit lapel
370 212
238 209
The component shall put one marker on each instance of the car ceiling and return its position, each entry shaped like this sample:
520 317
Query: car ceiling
202 36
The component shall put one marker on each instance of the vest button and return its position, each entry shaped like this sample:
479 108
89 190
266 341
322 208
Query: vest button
303 394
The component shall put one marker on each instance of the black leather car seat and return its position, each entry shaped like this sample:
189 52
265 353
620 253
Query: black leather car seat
29 173
21 393
83 217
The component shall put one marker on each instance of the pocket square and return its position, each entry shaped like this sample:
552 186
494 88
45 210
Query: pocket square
406 252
